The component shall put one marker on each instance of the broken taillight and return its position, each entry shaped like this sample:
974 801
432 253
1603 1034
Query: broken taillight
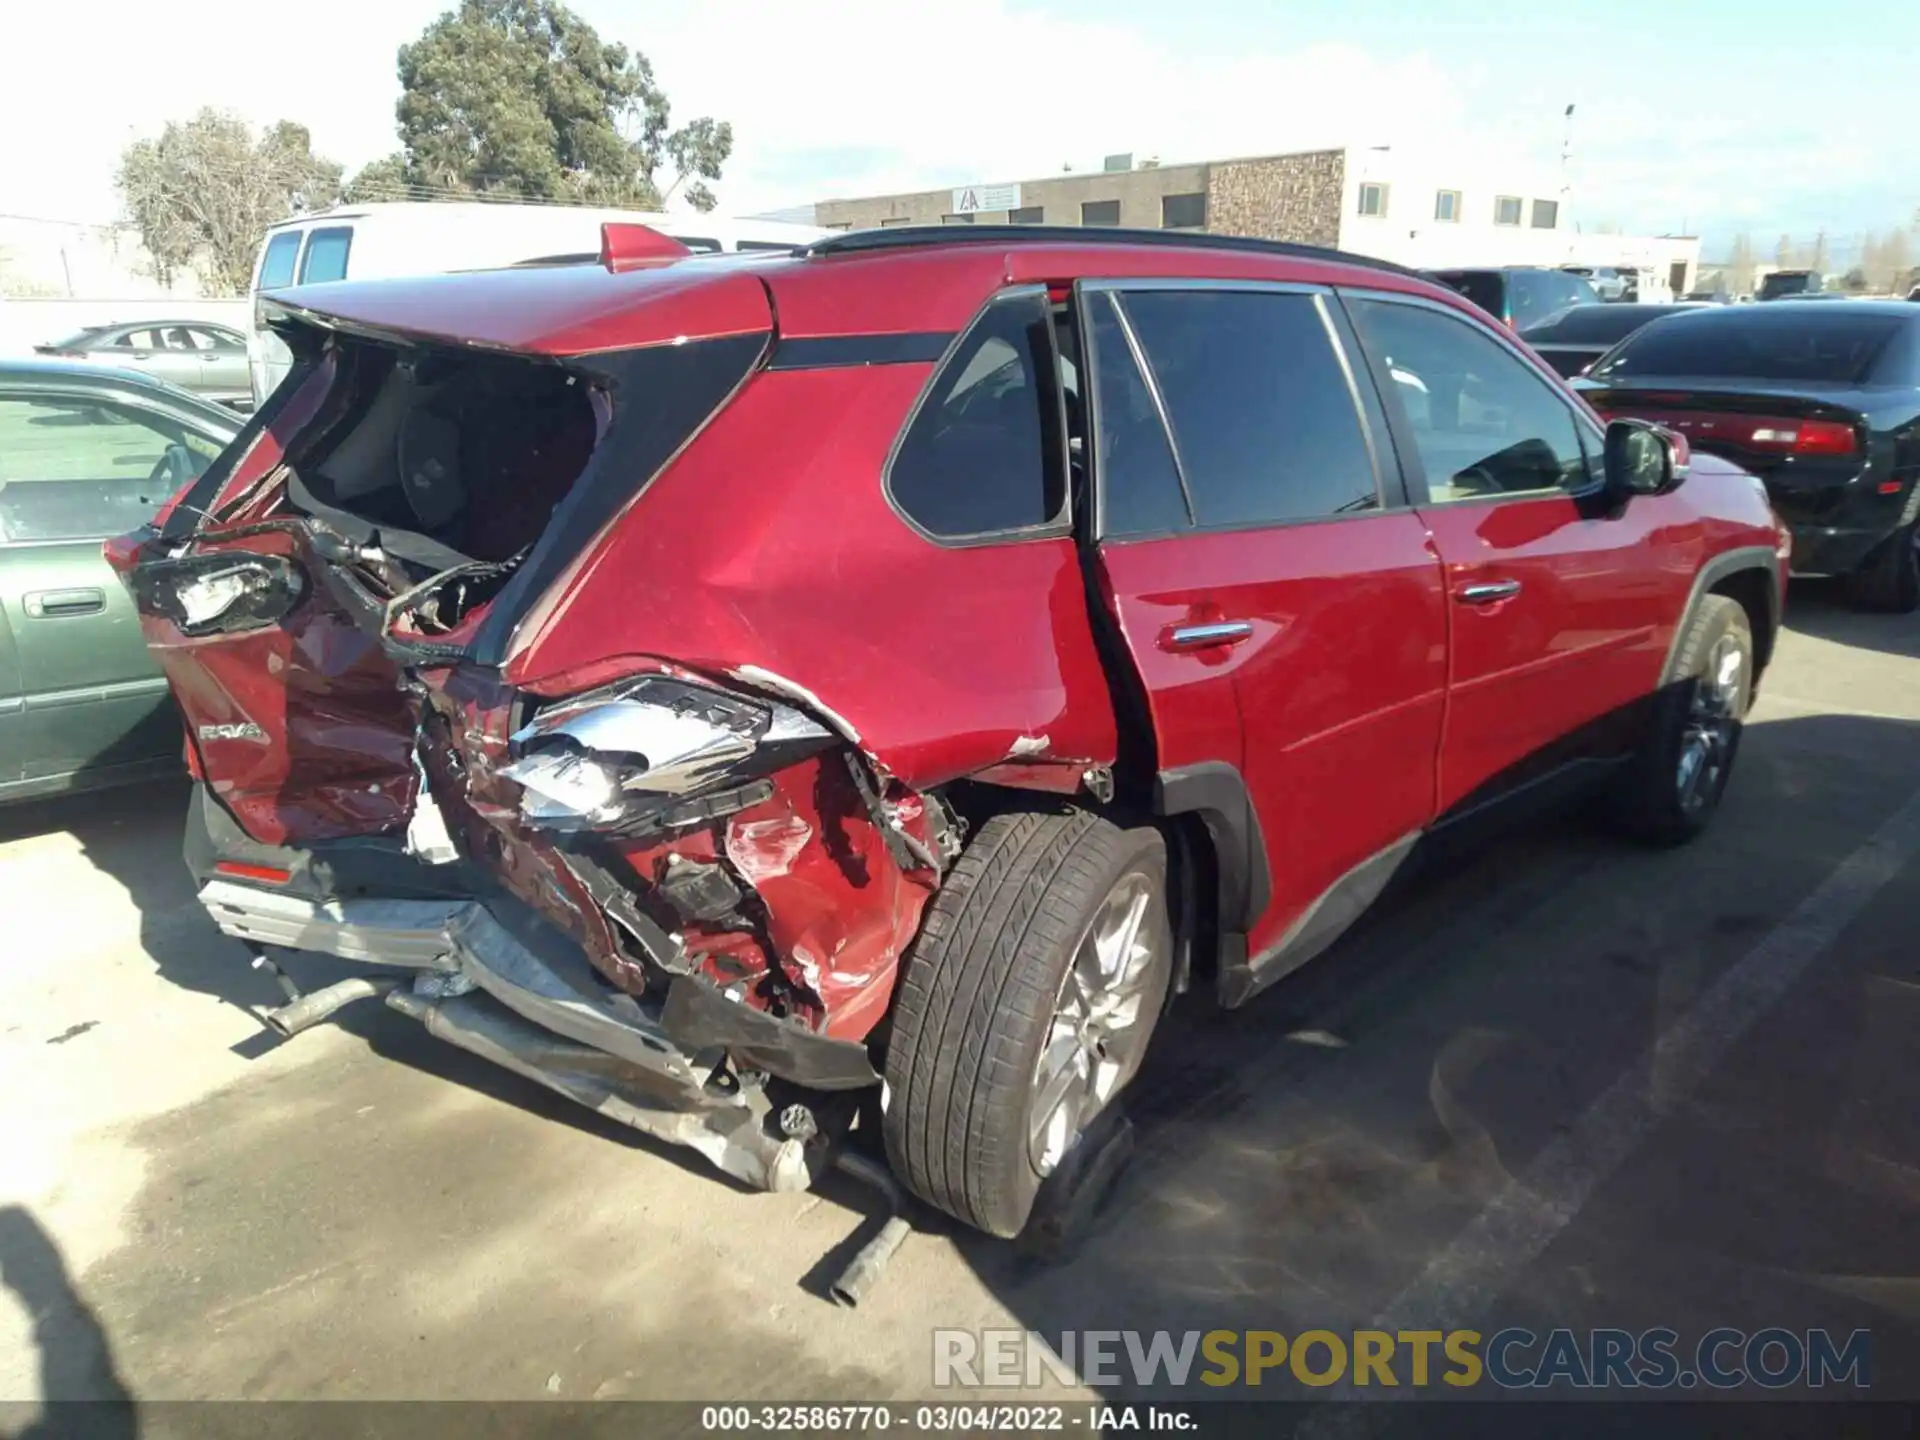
220 593
617 758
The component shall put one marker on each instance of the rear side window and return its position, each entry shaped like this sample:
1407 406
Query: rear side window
326 257
1485 288
1265 426
1533 295
1803 342
276 268
982 456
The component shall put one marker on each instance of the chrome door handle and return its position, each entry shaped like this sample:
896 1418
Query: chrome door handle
1198 637
52 604
1488 592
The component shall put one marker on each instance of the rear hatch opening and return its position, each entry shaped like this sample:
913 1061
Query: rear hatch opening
439 473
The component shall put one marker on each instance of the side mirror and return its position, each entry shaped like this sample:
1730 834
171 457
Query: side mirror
1643 459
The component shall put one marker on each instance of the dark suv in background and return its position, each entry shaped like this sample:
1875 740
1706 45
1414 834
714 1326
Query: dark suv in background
1520 295
1782 283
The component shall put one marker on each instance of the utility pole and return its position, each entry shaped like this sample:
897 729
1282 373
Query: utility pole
1566 176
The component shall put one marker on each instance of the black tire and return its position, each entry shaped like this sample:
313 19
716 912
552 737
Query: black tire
978 995
1652 800
1890 579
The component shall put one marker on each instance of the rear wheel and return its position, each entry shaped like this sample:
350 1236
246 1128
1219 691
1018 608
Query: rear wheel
1890 578
1025 1007
1673 785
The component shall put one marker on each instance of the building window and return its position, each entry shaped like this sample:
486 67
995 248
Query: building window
1183 212
1373 200
1100 212
1028 215
956 219
1546 214
1446 205
1506 210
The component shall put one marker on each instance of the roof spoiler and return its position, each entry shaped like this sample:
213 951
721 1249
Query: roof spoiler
625 245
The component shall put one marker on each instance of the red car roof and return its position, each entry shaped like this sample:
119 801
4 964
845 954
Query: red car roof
929 284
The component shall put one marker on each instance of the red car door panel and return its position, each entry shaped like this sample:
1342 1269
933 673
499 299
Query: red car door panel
1560 604
1291 625
1559 619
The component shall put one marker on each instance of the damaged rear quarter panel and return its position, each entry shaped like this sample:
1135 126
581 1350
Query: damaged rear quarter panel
770 544
301 727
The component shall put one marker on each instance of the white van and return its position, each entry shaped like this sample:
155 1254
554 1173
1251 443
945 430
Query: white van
390 239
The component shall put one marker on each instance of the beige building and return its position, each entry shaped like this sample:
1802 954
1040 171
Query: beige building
1277 197
1426 206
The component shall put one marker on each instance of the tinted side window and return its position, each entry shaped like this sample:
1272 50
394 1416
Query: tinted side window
276 270
1263 418
1139 484
983 454
326 257
1483 421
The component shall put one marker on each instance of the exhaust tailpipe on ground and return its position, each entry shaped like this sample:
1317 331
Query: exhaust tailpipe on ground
310 1009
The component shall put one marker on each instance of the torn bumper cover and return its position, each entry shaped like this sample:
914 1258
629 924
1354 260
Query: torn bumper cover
502 982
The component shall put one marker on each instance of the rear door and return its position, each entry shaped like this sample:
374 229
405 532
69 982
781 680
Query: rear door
223 362
1560 609
1279 598
75 468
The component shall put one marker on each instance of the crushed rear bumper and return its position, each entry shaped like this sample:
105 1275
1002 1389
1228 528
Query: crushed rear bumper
496 979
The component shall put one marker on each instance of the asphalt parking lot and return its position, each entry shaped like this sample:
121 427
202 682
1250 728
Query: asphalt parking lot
1559 1083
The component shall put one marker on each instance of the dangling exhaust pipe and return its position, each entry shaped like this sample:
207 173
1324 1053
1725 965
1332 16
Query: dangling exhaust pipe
316 1005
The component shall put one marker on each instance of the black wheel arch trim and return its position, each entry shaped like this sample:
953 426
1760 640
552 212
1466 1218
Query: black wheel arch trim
1216 791
1716 569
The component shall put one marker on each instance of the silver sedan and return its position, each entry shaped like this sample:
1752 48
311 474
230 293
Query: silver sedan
208 359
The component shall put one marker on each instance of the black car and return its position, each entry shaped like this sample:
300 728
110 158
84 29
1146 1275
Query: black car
1822 402
1783 283
1574 338
1519 295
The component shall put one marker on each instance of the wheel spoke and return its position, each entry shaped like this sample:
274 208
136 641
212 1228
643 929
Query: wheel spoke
1103 1014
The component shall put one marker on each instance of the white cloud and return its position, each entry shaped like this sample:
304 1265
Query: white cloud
871 97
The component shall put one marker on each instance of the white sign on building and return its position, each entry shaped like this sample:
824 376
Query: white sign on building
978 199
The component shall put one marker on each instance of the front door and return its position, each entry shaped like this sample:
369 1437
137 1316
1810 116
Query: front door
76 468
1560 606
1270 579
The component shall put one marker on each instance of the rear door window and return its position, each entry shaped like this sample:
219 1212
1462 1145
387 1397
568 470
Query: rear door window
1140 490
326 257
1266 426
276 266
1533 295
983 455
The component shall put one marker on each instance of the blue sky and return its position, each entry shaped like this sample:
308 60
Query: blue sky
1709 115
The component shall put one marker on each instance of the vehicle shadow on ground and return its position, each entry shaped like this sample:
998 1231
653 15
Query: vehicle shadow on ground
1819 608
133 835
75 1359
1302 1161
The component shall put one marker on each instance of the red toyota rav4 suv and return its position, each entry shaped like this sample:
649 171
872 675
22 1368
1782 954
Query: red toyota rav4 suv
738 685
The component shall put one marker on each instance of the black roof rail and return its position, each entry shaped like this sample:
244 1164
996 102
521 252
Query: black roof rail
909 237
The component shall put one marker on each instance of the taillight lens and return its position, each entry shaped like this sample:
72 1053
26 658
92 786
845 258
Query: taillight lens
218 594
1806 437
614 759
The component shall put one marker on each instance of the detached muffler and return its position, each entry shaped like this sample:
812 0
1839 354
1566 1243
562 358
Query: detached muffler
317 1005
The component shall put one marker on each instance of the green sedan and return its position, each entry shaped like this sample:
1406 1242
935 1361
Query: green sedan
85 453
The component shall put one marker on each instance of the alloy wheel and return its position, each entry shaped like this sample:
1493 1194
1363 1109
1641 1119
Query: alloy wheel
1706 745
1108 1002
